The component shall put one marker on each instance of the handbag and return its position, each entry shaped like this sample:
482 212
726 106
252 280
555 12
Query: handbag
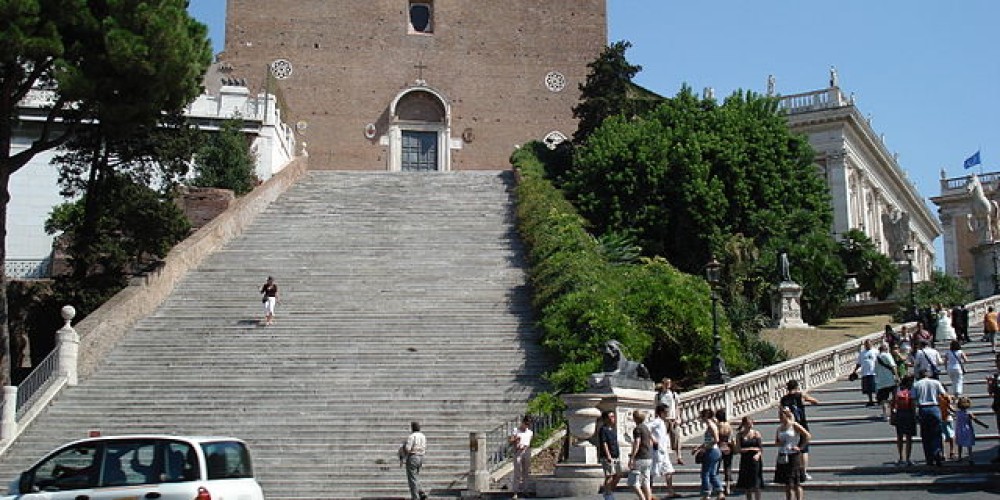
699 456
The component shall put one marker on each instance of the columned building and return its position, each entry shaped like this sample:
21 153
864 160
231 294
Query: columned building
965 234
870 191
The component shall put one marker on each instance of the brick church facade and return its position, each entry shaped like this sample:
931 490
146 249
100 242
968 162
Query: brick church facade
418 84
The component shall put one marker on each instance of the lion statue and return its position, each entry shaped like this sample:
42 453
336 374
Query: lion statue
620 371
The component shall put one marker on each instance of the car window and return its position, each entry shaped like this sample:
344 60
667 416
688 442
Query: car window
181 462
73 468
227 460
128 463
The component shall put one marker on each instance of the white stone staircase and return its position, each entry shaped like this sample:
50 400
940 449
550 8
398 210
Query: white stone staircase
403 298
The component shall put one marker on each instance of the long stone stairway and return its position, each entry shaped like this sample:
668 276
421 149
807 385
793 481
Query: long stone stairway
402 297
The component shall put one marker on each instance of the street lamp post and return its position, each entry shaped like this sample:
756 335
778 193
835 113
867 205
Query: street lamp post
717 374
908 251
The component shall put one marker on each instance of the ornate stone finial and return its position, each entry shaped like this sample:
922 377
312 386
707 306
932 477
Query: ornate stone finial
770 85
68 313
834 79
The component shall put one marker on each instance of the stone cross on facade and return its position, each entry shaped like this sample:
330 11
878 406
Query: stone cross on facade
420 66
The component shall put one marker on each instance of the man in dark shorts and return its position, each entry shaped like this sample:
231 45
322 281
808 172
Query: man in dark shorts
607 444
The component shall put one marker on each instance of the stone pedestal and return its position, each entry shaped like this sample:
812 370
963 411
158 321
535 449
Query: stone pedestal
786 306
985 268
582 474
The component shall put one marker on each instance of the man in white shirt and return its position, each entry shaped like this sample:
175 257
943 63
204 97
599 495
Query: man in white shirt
661 449
926 358
668 397
412 454
926 392
520 440
866 362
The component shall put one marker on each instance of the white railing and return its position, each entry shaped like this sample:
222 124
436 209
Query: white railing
812 101
761 389
27 268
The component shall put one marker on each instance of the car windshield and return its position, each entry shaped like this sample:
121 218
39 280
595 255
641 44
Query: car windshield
227 460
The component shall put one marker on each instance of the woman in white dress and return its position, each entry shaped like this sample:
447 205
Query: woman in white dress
945 332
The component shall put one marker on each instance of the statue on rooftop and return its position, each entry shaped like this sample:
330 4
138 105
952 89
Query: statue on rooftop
834 79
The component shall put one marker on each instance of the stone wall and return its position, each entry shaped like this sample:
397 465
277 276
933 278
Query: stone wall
102 329
350 59
200 204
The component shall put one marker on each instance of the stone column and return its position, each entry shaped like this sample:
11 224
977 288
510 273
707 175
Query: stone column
8 421
479 471
68 346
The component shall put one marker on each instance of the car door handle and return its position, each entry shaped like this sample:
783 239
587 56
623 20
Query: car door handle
82 497
153 494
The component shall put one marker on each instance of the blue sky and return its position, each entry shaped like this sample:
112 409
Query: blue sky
927 71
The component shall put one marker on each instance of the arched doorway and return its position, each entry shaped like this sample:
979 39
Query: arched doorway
419 120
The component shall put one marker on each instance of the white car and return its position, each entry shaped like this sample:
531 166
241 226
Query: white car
142 467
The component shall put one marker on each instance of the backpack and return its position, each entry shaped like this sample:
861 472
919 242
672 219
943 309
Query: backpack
904 400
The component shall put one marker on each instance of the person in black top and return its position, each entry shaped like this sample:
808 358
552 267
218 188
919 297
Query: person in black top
270 298
795 400
607 444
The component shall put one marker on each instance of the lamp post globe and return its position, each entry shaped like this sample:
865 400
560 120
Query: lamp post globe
717 373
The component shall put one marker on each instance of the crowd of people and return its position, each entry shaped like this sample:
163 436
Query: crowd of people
902 373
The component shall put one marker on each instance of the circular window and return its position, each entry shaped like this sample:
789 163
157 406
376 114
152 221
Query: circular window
281 69
555 81
554 139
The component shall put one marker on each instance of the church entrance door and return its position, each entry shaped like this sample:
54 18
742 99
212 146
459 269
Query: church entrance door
420 151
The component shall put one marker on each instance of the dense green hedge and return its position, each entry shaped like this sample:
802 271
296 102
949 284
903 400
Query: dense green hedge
660 315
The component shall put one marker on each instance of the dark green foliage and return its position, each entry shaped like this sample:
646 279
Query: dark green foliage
691 173
658 313
225 161
134 226
816 266
607 91
875 271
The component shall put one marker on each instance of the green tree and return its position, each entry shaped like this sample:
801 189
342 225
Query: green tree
135 225
605 93
119 63
225 161
876 272
692 172
940 289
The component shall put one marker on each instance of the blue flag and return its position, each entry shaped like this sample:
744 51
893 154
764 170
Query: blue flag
972 161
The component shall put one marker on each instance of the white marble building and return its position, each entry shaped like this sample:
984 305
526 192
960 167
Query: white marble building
870 190
34 190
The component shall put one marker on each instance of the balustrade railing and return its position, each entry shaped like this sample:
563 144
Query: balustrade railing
761 389
499 451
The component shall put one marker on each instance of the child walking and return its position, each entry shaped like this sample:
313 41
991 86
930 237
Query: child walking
965 433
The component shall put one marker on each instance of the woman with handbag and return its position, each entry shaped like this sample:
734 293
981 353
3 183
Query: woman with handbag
954 362
790 439
709 455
